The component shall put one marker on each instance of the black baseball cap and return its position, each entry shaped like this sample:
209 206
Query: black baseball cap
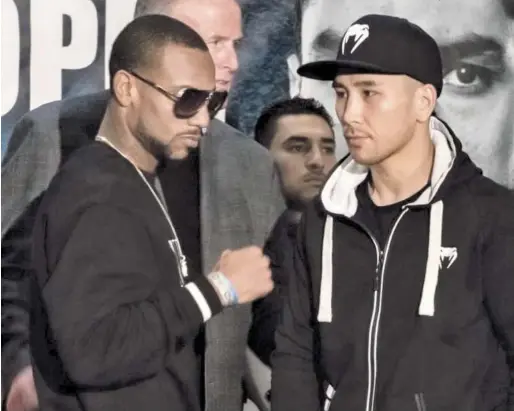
380 44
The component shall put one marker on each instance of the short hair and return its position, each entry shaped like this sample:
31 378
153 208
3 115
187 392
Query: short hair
144 7
141 41
266 125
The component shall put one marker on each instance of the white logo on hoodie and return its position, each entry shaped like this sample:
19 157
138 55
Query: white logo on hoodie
448 254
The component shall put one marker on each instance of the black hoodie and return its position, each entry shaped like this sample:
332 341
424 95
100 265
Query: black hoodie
424 323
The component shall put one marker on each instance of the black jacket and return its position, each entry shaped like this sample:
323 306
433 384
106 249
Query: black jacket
112 327
427 323
266 311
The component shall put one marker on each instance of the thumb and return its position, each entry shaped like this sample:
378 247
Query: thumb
223 255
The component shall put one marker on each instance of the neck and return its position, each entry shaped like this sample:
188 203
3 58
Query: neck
115 129
293 215
403 174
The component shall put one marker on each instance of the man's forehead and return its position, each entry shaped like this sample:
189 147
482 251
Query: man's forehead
200 13
185 67
302 127
324 21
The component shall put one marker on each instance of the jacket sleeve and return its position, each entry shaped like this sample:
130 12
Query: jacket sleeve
16 270
267 204
31 160
113 321
498 269
277 203
294 385
266 311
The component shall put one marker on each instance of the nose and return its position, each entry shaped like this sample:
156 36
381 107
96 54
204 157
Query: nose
230 60
314 159
201 119
349 110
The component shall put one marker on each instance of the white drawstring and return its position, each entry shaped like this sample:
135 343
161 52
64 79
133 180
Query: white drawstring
427 304
329 395
325 295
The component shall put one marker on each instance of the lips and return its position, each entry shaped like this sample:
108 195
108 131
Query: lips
314 179
355 137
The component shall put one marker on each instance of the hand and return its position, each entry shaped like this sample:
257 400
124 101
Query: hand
22 395
248 269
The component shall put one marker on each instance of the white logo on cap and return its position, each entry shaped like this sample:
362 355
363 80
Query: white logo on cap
360 32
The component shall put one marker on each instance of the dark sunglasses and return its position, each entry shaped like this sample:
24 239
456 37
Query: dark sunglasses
188 101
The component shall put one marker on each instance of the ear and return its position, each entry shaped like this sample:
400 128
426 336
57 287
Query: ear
426 100
123 88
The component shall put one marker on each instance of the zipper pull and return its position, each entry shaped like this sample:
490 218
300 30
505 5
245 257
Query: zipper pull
183 265
376 280
181 259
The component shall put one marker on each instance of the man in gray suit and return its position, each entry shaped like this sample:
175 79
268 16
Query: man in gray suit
237 198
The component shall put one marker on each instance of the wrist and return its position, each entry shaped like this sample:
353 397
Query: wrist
224 288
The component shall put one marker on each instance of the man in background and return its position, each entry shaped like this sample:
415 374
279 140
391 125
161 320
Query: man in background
229 185
476 41
298 133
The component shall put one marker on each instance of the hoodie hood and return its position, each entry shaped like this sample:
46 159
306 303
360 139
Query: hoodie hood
451 166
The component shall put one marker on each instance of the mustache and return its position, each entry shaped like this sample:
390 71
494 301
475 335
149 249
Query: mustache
194 133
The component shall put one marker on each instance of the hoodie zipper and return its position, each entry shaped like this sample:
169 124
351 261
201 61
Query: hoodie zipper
378 286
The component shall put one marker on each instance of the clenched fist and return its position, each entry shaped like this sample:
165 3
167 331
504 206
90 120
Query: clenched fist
248 269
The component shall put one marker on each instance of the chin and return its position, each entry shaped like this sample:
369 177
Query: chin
178 155
223 86
362 159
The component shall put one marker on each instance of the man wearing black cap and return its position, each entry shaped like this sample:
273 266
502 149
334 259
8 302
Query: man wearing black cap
401 294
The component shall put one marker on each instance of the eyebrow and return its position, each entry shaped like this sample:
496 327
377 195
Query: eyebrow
304 139
217 37
480 50
327 40
360 83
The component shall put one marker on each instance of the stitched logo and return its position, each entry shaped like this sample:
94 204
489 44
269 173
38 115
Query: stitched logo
448 255
359 32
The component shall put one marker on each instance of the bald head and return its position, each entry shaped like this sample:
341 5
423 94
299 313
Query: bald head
218 22
144 7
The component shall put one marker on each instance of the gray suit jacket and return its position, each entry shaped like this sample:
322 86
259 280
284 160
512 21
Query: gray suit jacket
240 201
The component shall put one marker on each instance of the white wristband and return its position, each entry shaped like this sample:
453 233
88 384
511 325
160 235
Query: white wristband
224 287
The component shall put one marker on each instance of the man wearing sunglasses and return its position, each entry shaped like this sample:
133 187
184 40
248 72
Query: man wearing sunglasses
229 198
116 305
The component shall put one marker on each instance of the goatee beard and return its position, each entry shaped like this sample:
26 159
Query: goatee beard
154 147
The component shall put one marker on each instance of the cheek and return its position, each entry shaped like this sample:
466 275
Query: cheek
162 125
290 168
330 162
389 120
218 57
